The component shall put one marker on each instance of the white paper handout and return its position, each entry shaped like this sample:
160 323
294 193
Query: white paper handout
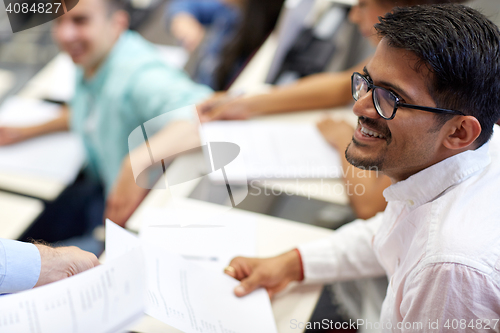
57 156
202 232
191 298
107 298
277 150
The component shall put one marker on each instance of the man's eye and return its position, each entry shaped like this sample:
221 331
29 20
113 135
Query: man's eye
80 20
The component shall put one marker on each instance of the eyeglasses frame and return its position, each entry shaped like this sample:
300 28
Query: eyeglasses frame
398 104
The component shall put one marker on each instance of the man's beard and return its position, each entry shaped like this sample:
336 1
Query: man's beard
363 163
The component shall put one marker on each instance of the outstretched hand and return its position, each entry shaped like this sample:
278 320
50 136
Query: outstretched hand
337 133
11 135
223 106
62 262
274 274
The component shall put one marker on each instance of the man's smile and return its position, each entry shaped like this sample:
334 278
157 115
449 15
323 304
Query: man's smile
370 131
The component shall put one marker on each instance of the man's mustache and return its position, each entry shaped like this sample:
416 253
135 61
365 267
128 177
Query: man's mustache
376 126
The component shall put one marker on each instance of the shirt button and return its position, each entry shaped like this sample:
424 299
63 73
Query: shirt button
399 260
410 202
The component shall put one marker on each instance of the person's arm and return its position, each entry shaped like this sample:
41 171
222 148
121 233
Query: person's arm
126 195
187 30
347 254
25 265
319 91
157 94
189 18
203 11
10 135
364 188
449 297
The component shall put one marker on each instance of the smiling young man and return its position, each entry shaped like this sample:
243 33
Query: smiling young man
427 103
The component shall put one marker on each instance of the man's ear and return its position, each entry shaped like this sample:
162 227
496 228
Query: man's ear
462 132
121 20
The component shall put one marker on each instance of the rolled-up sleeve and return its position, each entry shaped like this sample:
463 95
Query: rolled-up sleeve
347 254
20 265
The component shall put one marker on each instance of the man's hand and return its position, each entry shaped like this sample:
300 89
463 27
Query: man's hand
337 133
274 274
11 135
62 262
187 30
222 106
208 105
125 196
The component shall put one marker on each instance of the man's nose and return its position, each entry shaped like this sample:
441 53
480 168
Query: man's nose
354 15
364 106
65 32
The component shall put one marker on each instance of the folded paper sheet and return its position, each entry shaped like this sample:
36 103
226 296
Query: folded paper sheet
192 298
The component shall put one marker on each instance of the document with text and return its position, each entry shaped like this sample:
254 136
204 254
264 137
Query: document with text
105 299
205 233
192 298
276 150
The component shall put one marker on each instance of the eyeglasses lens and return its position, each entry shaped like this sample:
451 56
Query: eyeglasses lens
359 87
384 102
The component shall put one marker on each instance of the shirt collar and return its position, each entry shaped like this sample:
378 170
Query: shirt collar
429 183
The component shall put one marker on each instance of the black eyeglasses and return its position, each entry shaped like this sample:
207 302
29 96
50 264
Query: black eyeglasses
385 101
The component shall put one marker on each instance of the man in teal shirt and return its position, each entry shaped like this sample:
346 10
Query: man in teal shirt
121 83
132 86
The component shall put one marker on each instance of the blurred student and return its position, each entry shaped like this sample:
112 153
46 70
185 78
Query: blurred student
25 265
234 30
121 83
318 91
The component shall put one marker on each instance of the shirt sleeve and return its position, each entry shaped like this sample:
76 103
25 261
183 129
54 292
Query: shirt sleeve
450 297
347 254
204 11
20 265
159 90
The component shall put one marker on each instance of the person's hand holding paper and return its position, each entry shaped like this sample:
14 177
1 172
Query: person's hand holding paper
274 274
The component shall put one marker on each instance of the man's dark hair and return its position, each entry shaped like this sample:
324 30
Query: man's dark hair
112 6
461 48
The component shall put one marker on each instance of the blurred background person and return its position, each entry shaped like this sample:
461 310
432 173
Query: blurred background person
227 33
121 83
318 91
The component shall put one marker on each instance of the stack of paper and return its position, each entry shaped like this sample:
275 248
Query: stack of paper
276 150
189 297
57 156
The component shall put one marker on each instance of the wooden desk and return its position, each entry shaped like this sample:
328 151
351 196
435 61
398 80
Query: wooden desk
16 214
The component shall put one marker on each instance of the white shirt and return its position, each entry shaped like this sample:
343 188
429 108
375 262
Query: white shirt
438 241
